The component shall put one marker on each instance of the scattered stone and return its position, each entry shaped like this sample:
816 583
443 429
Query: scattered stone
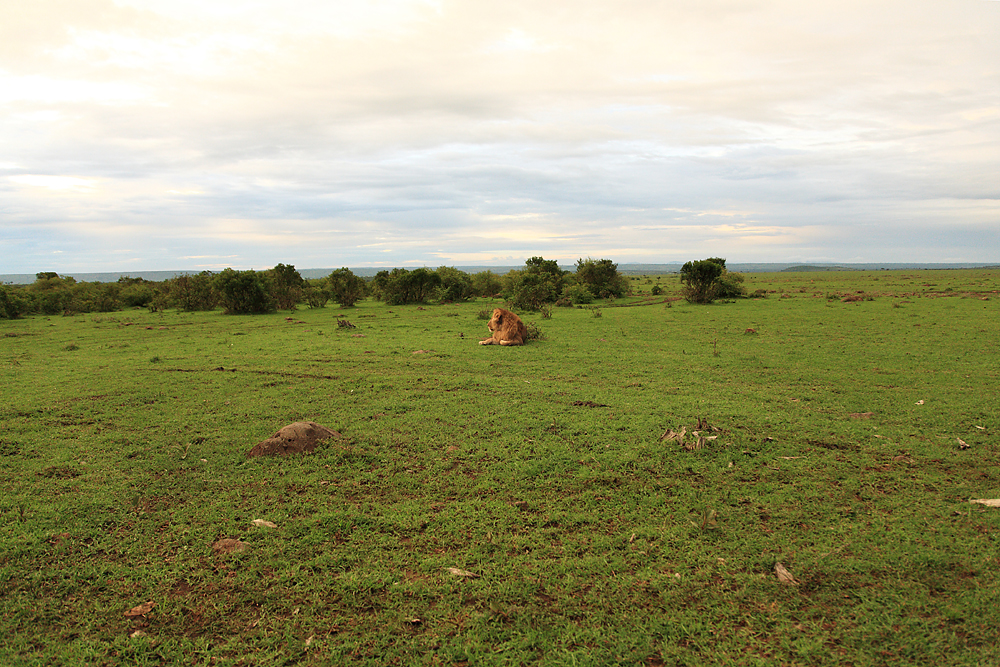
141 610
296 438
229 545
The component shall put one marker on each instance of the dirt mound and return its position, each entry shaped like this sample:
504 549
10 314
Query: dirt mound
296 438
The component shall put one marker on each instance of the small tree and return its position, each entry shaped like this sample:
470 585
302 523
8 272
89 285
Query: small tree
13 302
192 292
601 278
244 292
50 293
700 278
708 279
286 286
401 286
540 282
730 286
345 287
486 284
455 285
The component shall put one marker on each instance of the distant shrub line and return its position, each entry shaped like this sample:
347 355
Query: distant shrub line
540 285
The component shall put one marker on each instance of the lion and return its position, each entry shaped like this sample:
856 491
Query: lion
507 328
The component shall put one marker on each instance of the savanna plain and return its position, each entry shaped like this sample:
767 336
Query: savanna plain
782 480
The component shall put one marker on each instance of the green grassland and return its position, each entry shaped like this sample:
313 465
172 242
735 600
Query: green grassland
509 506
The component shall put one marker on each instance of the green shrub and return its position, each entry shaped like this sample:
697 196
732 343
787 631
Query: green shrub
244 292
401 286
601 278
455 285
345 287
191 292
315 296
578 294
730 286
700 280
285 285
486 284
13 303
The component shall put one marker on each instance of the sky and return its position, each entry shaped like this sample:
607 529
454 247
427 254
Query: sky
199 135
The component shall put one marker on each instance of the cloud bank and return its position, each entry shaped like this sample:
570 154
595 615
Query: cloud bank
188 135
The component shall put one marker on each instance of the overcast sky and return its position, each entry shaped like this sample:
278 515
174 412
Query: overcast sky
201 134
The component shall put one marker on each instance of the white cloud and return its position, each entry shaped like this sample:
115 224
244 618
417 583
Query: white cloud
73 183
412 131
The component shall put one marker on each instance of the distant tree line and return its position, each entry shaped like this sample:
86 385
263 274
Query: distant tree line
539 284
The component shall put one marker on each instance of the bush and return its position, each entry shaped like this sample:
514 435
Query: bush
13 303
578 294
244 292
315 296
192 292
601 278
486 284
528 291
400 286
285 285
50 294
540 282
345 287
700 279
455 285
730 286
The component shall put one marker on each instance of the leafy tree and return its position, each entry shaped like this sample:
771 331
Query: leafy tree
528 291
192 292
93 298
577 294
708 279
539 283
700 278
730 286
401 286
13 302
316 292
136 292
601 278
486 283
50 293
285 284
544 266
244 292
345 287
455 285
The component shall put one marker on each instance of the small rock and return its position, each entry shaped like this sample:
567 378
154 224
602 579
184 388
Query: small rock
228 545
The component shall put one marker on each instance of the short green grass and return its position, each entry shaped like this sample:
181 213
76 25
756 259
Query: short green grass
541 470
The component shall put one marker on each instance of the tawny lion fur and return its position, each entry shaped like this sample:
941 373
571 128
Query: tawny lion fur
507 328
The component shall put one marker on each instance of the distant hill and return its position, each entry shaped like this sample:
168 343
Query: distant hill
627 269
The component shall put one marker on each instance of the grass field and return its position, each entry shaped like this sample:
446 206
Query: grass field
509 506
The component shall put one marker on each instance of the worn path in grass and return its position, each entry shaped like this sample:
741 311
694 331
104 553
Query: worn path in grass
512 505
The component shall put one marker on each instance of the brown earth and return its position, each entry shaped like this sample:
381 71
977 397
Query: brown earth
296 438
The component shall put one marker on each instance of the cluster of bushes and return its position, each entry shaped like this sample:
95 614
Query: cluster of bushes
538 286
236 291
51 294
